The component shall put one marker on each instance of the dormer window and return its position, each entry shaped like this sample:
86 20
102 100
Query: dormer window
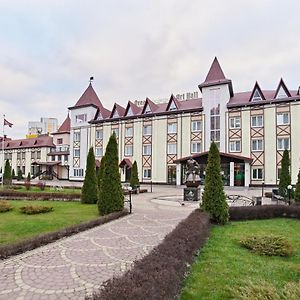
81 118
129 112
256 96
116 115
281 93
99 116
148 109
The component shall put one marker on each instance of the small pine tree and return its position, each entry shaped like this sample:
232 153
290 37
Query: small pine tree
134 178
297 191
100 174
214 199
28 177
111 196
20 175
13 175
89 193
7 173
285 177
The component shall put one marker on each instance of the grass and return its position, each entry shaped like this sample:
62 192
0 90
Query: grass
15 226
223 264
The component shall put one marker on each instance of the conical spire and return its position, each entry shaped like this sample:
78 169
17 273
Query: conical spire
215 72
65 126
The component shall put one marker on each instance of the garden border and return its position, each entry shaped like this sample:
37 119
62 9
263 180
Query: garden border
47 238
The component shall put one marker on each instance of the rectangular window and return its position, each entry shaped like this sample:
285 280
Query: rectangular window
66 157
235 146
38 154
59 157
76 152
116 131
147 173
146 149
196 126
18 155
53 158
23 155
81 118
99 134
78 172
283 118
59 141
172 128
283 144
172 148
257 174
77 136
147 130
23 169
128 150
257 145
128 131
257 121
234 122
99 151
196 147
33 155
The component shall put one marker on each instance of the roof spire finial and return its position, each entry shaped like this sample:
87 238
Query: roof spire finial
91 79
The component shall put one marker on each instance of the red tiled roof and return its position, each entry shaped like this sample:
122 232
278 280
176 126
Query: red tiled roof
65 126
125 162
89 97
120 110
41 141
135 109
175 100
154 107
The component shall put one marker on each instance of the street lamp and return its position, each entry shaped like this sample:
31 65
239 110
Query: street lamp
289 187
130 203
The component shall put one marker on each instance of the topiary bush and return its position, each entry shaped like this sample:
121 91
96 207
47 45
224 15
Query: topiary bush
134 178
35 209
5 206
7 178
20 175
270 245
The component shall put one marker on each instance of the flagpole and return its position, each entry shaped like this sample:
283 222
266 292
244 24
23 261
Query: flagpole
3 152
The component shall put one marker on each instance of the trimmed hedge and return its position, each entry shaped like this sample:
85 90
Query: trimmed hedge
44 239
35 209
159 274
264 212
15 194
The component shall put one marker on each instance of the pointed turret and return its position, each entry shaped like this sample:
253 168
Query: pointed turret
215 76
65 126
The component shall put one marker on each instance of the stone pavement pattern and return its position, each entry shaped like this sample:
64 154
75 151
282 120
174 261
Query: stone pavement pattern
76 266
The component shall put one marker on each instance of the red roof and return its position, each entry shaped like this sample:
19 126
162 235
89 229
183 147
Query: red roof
41 141
89 97
119 109
65 126
154 107
134 108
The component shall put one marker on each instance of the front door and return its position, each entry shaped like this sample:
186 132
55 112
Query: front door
171 174
127 174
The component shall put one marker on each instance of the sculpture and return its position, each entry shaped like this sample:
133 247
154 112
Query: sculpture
192 173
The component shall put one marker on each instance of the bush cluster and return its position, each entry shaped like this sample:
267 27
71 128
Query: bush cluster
270 245
159 275
44 239
35 209
5 206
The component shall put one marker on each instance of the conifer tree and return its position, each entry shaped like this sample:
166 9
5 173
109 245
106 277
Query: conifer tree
7 173
297 191
214 199
111 196
13 175
20 175
285 177
89 192
100 173
134 178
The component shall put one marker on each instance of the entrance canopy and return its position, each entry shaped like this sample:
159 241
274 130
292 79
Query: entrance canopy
125 163
46 163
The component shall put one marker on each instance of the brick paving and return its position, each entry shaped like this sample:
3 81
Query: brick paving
76 266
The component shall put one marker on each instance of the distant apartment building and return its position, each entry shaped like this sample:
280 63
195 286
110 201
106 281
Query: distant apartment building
44 126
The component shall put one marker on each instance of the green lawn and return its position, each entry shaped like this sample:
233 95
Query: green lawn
15 226
223 263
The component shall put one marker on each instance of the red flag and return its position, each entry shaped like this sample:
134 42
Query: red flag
7 123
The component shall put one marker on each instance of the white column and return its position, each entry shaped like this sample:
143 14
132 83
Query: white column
178 174
231 168
247 174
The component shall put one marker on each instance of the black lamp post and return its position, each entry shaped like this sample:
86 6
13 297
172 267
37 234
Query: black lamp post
289 187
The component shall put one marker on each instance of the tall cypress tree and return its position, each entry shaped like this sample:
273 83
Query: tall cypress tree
100 174
134 178
285 176
214 199
7 173
297 191
13 175
111 196
89 193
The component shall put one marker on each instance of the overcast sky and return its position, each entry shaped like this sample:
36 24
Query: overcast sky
137 49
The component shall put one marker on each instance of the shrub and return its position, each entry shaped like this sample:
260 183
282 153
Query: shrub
5 206
285 176
214 199
89 192
111 197
134 178
297 191
41 185
270 245
13 175
35 209
20 175
7 173
27 185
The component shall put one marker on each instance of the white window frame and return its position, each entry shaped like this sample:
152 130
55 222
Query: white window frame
78 172
173 106
233 146
255 173
147 149
98 151
255 143
147 173
128 150
280 144
195 147
76 136
128 131
146 130
76 152
99 134
234 122
256 118
172 148
196 126
280 118
81 118
172 128
256 98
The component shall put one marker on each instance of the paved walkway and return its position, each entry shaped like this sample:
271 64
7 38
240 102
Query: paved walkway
75 266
